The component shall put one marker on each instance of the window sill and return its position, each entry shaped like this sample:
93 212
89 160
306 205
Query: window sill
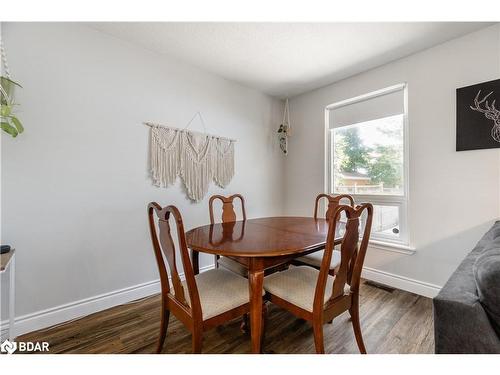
394 247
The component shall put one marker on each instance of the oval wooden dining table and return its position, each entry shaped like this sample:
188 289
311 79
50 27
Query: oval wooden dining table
259 244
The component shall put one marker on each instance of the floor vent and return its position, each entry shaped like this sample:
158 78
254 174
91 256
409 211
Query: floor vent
380 286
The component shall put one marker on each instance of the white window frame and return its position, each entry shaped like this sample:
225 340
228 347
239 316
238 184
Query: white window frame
402 243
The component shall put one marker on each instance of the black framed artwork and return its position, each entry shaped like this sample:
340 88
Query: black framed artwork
478 116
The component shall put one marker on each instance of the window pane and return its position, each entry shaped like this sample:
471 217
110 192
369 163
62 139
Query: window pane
368 157
385 222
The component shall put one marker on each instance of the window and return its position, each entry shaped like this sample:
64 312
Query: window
367 154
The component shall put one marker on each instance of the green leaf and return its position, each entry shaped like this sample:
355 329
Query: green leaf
8 82
9 129
7 88
17 124
5 110
4 98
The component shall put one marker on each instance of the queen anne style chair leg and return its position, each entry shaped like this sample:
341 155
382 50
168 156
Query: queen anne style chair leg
318 337
197 338
356 326
165 318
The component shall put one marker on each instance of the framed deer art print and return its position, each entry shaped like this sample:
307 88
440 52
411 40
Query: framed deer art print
478 116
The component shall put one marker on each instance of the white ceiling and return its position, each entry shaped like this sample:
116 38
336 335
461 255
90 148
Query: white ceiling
286 59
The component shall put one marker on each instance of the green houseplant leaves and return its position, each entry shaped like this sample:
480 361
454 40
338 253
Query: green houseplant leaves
9 122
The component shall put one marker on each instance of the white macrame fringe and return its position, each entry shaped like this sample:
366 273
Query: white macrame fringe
165 146
197 165
198 159
224 166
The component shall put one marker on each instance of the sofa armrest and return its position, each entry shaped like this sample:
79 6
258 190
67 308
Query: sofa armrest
461 325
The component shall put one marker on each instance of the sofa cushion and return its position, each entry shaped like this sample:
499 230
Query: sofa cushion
487 276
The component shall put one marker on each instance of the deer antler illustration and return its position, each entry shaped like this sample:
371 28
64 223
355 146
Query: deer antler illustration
490 112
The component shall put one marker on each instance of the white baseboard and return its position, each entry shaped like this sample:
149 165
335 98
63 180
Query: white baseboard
63 313
400 282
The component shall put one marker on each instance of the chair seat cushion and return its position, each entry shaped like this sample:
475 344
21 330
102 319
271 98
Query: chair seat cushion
220 291
315 259
233 266
297 285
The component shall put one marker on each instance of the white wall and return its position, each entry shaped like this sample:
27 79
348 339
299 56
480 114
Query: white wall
454 196
75 185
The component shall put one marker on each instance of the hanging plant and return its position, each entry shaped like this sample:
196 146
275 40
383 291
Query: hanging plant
284 129
9 122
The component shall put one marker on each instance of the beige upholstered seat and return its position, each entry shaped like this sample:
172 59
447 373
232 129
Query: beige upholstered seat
315 259
297 285
233 266
219 290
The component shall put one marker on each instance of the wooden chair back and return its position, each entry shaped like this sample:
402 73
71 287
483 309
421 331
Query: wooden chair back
164 248
352 251
228 212
333 203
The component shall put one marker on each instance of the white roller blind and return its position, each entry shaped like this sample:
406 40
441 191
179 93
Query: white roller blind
373 108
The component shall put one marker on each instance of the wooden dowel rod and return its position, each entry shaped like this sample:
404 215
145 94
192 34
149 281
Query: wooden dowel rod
150 124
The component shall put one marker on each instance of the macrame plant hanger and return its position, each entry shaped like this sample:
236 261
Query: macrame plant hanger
197 157
5 66
284 129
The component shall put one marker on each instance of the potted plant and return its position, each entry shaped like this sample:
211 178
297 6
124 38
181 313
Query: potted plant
284 129
9 122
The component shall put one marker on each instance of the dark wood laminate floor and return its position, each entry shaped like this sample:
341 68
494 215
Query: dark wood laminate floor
391 321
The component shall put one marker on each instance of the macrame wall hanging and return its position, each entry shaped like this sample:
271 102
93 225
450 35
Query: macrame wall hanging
198 158
284 129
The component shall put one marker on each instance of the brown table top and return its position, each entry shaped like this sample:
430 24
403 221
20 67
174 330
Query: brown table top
263 237
5 259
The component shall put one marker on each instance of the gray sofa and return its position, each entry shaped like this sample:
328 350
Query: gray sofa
467 309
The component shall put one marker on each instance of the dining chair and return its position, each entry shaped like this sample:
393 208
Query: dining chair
314 259
228 215
319 297
213 297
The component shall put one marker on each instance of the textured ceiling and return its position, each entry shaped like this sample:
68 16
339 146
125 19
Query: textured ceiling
286 59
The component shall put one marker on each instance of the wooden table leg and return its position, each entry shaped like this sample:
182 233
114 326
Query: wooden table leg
195 256
256 281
